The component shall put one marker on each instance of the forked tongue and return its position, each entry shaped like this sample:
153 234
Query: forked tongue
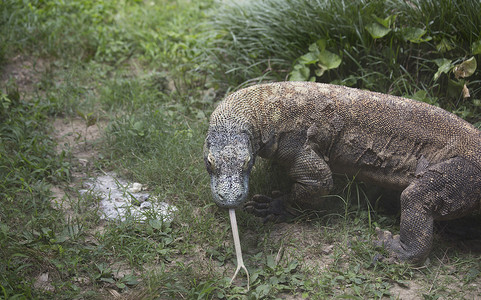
238 251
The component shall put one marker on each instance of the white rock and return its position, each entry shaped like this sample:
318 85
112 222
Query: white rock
136 187
118 200
146 205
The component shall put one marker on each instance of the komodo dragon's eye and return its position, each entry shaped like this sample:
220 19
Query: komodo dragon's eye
210 161
246 162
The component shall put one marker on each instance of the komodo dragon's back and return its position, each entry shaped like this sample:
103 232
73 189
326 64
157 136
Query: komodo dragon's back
315 129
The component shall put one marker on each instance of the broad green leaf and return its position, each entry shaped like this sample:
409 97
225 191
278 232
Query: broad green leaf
444 66
299 73
420 95
320 71
329 60
156 224
415 35
318 46
444 45
271 261
309 58
466 68
120 285
455 88
263 290
109 280
476 47
138 126
387 22
377 31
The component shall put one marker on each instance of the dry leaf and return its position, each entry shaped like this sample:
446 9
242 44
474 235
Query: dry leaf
466 92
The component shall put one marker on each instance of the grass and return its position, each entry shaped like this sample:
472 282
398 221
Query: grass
150 73
387 46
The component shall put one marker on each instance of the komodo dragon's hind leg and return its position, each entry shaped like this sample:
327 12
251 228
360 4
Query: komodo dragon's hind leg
444 191
312 178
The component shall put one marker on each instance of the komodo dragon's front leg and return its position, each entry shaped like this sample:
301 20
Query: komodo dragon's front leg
447 190
312 178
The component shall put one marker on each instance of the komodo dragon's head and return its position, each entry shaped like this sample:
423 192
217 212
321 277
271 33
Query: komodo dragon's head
229 159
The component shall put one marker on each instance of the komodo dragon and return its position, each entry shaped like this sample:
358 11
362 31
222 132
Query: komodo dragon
315 129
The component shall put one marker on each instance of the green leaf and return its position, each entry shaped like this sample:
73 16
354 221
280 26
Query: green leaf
466 68
423 96
299 73
263 290
109 280
476 47
444 66
273 280
327 61
455 88
420 95
444 45
415 35
320 71
120 285
156 224
387 22
377 31
318 46
271 262
200 115
138 126
309 58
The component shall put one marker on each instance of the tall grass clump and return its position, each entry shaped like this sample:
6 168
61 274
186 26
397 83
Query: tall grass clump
400 47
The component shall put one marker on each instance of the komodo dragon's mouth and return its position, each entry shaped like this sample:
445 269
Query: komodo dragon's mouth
229 191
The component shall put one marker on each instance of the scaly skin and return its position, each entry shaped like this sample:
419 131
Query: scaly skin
316 129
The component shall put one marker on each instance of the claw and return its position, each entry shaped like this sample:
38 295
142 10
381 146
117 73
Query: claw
390 242
384 238
268 208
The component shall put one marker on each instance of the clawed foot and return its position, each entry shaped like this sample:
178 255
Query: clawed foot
269 208
391 243
398 251
387 240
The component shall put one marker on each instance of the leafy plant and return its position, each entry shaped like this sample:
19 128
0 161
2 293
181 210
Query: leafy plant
320 57
394 47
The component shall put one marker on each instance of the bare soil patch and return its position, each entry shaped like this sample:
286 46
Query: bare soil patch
72 134
25 71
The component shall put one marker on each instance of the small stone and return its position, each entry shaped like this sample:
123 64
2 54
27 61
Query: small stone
136 187
82 280
327 249
143 197
42 282
87 185
83 162
146 205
